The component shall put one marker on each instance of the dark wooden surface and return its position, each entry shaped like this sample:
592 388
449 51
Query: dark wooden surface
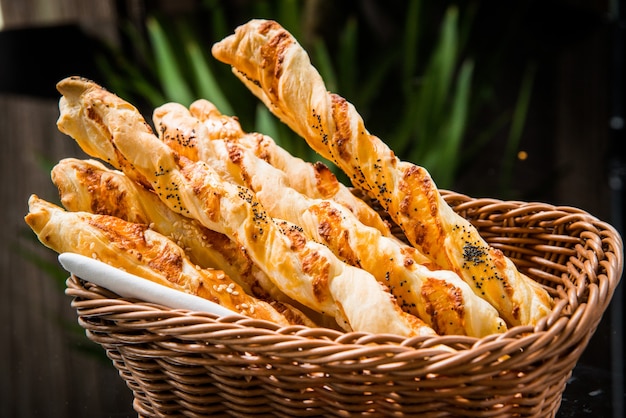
47 366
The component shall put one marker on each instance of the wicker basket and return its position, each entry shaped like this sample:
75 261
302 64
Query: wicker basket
196 364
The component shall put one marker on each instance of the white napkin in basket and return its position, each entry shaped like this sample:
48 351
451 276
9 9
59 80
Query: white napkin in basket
132 286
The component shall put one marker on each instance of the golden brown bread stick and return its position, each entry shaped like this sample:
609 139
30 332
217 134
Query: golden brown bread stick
439 297
304 270
89 186
313 179
138 250
271 63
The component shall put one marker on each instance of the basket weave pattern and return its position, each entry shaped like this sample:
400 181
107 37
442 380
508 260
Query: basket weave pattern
180 363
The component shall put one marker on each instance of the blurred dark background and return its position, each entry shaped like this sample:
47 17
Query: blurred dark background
540 113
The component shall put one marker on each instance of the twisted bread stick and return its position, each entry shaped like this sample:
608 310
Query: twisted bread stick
139 250
270 62
90 187
190 138
87 129
439 297
313 179
304 270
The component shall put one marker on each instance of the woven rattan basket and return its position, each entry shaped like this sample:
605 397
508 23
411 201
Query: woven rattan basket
196 364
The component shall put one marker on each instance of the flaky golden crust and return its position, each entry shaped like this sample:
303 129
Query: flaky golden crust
271 63
304 270
140 251
190 138
88 186
218 125
439 297
315 180
85 125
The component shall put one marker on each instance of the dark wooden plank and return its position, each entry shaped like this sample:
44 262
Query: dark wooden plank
45 371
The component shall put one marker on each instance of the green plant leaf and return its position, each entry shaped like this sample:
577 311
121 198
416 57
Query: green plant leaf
437 80
374 81
447 161
169 72
517 127
406 141
266 123
324 65
288 14
140 44
208 87
466 23
127 82
411 45
347 61
218 18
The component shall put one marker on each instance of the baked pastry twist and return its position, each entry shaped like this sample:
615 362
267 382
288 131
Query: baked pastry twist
439 297
271 63
140 251
88 130
313 179
304 270
89 186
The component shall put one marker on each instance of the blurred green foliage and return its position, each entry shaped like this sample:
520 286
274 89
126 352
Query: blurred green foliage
420 94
